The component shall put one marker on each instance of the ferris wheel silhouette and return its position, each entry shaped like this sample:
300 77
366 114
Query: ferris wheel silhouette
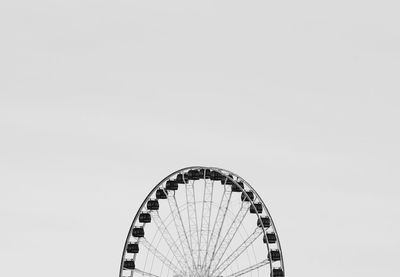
202 222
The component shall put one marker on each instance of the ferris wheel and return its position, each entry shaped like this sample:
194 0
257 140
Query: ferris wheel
202 222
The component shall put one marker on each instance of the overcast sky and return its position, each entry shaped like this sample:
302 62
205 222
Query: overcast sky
100 100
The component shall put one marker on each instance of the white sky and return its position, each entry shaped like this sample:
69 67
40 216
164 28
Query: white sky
99 100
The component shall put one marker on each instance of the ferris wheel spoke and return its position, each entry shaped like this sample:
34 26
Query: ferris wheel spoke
192 218
205 218
221 267
170 241
232 230
182 235
144 273
160 256
219 222
248 269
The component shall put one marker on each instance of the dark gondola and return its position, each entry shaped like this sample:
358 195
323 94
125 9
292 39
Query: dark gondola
229 180
153 205
181 178
271 238
205 173
275 255
193 174
236 187
265 221
161 194
144 218
256 209
277 272
171 185
248 197
132 248
138 232
129 264
216 176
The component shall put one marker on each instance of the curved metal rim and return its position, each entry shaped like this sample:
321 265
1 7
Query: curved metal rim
220 170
